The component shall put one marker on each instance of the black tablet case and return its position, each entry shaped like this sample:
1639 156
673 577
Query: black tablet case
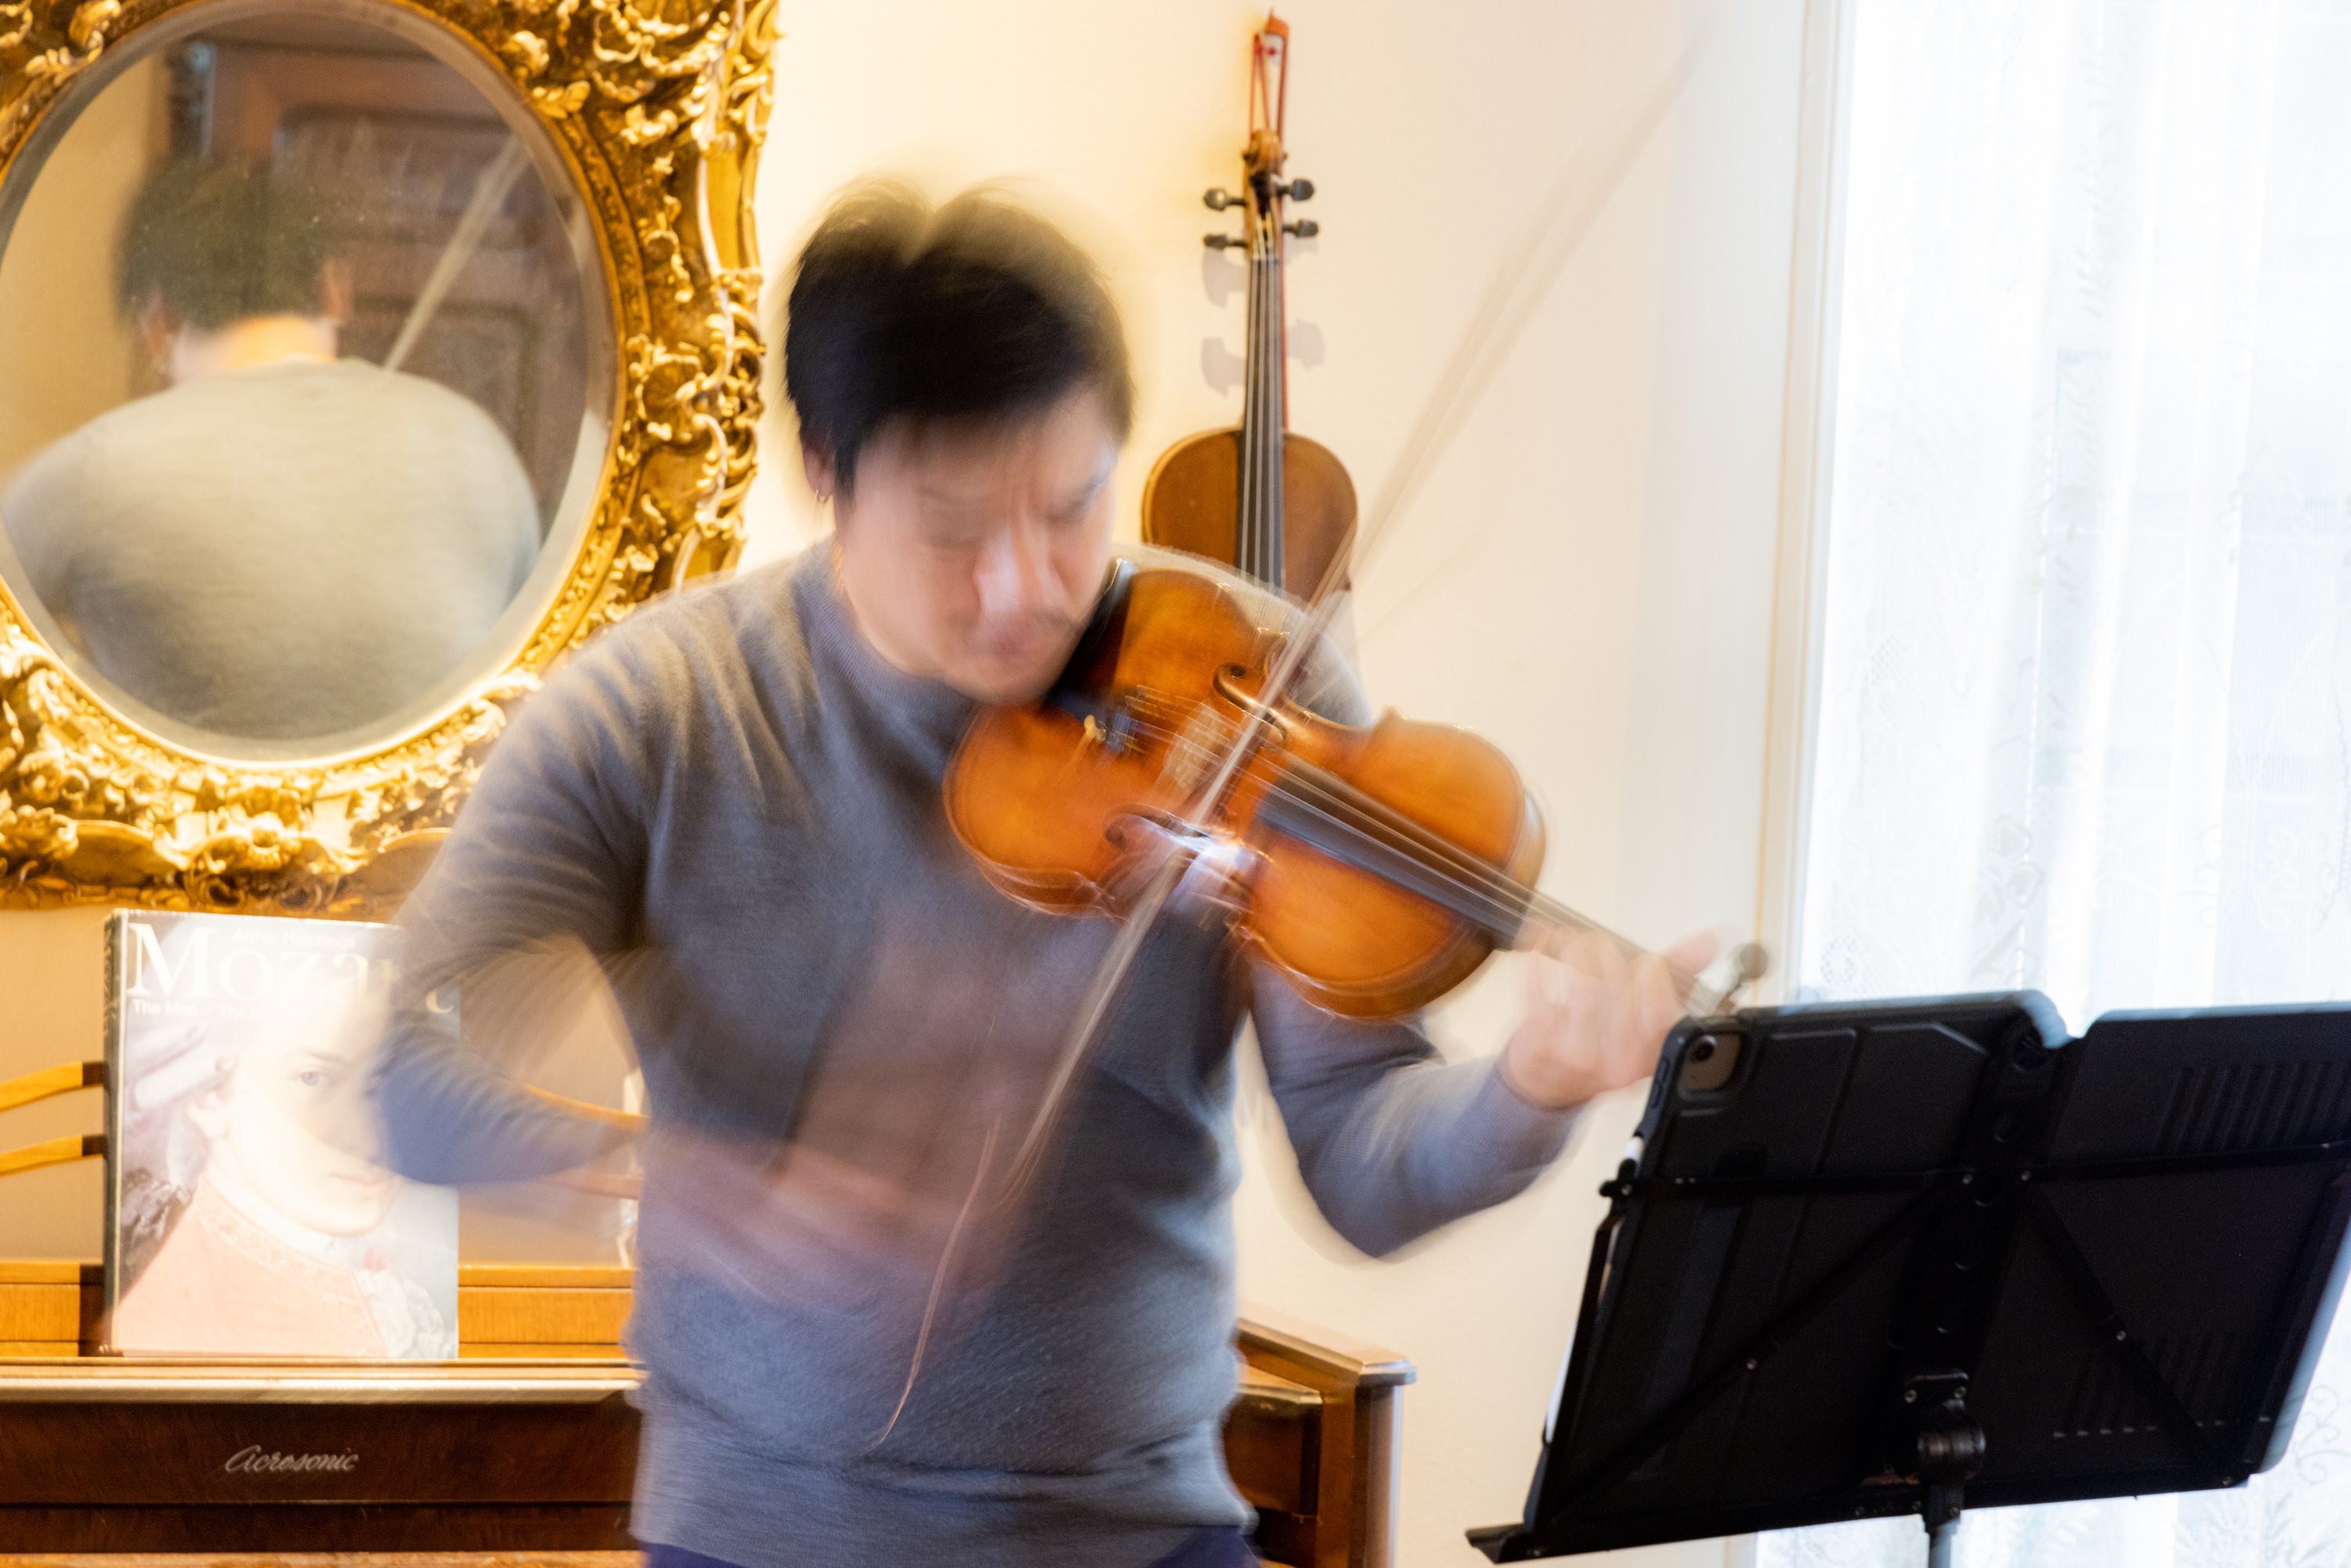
2128 1246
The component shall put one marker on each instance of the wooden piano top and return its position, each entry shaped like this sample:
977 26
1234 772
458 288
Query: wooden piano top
540 1315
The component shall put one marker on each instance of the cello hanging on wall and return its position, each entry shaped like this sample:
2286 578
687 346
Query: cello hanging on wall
1276 505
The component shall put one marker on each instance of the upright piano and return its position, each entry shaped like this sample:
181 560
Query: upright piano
528 1443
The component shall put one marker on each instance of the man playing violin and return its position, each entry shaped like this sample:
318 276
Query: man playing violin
863 1342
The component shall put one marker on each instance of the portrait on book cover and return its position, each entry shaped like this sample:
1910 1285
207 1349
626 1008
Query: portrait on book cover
251 1214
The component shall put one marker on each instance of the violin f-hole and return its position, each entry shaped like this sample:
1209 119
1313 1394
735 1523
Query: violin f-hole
1228 683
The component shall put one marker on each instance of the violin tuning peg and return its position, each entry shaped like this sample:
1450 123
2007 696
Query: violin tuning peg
1218 198
1222 242
1304 228
1299 190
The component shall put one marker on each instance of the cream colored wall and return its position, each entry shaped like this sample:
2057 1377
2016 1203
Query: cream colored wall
64 359
65 355
52 1011
1587 578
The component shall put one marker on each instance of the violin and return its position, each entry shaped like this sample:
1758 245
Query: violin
1377 866
1276 505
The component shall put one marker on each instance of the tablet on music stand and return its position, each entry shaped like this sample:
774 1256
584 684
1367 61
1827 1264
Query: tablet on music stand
1888 1259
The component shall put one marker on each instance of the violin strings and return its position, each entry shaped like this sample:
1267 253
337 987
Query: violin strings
1510 901
1503 904
1489 896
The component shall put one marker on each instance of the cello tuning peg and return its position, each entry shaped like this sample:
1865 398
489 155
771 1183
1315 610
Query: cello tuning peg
1218 198
1304 228
1222 242
1299 190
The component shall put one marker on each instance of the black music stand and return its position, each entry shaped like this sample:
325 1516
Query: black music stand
1869 1261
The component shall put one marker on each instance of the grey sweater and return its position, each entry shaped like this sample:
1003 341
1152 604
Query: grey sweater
289 551
733 803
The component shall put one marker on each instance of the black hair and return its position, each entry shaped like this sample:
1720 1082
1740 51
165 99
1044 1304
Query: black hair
976 310
221 241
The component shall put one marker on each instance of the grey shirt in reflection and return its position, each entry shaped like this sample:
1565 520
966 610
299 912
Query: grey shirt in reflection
286 551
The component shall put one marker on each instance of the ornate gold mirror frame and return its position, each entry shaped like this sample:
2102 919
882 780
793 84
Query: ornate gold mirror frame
658 109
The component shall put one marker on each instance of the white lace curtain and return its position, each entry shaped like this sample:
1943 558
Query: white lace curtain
2086 680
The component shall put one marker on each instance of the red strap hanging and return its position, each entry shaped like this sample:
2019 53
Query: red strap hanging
1270 106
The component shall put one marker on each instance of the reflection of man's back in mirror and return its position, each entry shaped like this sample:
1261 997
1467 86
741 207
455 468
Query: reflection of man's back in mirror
281 544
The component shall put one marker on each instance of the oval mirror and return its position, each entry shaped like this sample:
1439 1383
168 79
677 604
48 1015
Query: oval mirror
359 358
305 370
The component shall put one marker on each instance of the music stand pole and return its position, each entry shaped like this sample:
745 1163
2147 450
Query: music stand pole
1947 1447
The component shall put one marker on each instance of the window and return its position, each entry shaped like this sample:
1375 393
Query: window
2085 633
